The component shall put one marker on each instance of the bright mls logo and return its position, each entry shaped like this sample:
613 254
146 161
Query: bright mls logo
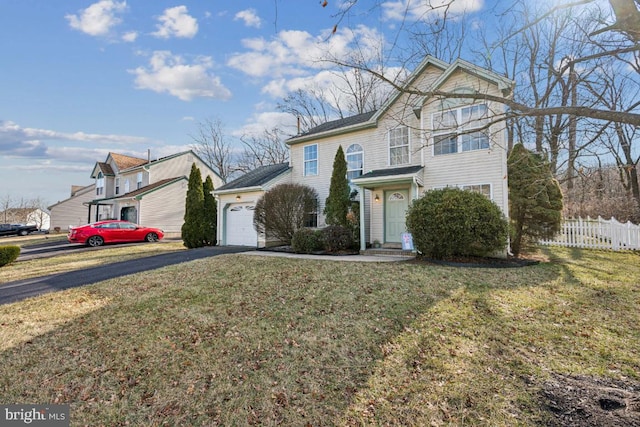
35 415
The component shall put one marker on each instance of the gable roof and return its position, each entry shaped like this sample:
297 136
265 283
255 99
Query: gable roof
256 178
103 167
123 161
361 121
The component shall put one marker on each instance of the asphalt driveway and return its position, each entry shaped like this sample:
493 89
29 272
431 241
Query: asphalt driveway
21 289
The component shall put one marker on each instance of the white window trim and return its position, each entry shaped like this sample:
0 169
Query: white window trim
305 161
461 128
408 146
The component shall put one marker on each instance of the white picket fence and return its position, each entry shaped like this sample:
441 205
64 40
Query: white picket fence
597 234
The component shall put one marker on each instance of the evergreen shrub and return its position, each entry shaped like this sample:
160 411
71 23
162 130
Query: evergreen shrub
453 222
306 241
8 254
336 238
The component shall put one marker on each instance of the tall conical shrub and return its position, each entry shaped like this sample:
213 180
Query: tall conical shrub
210 212
535 198
192 229
337 204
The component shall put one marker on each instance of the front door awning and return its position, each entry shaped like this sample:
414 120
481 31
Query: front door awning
391 176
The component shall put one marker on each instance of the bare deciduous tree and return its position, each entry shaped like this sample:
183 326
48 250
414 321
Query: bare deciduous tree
212 144
266 149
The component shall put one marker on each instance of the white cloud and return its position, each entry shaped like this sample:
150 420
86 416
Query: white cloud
250 18
170 73
99 18
401 10
130 36
176 22
268 120
295 53
32 142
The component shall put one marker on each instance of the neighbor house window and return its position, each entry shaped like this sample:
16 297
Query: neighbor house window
454 130
100 184
311 160
117 185
139 180
355 162
399 146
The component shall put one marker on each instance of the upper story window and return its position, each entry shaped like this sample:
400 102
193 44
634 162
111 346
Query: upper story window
399 146
139 180
126 185
100 184
454 130
311 160
117 185
355 161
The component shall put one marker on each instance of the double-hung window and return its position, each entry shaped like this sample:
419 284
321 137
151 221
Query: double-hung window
100 184
117 185
399 146
460 129
354 161
139 181
311 160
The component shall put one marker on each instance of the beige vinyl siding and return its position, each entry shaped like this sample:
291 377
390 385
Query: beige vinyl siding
484 166
327 148
164 208
181 166
72 211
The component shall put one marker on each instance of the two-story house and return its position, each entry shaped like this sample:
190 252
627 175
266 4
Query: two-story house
412 144
144 191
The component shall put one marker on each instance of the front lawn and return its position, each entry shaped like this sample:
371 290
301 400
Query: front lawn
250 340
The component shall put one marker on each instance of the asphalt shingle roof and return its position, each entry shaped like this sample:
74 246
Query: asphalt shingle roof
391 172
256 177
340 123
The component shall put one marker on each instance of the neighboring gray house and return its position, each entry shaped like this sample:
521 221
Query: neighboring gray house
410 145
143 191
71 211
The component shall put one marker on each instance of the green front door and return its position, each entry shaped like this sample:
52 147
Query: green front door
396 203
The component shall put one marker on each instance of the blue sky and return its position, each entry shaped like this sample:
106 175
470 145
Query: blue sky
79 79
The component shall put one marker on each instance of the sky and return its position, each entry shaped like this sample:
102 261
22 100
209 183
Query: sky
80 79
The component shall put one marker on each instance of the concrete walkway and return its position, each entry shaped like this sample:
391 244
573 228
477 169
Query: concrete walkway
348 258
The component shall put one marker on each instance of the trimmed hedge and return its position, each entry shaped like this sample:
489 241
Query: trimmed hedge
453 222
306 241
337 238
8 254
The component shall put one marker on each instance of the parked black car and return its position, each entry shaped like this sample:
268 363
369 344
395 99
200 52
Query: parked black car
17 229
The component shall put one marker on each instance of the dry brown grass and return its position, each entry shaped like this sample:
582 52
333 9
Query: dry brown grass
238 340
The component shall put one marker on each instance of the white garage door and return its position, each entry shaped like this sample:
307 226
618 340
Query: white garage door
240 229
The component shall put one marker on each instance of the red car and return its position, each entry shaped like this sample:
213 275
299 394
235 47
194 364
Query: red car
113 231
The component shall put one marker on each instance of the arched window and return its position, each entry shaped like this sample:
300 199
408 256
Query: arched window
355 161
